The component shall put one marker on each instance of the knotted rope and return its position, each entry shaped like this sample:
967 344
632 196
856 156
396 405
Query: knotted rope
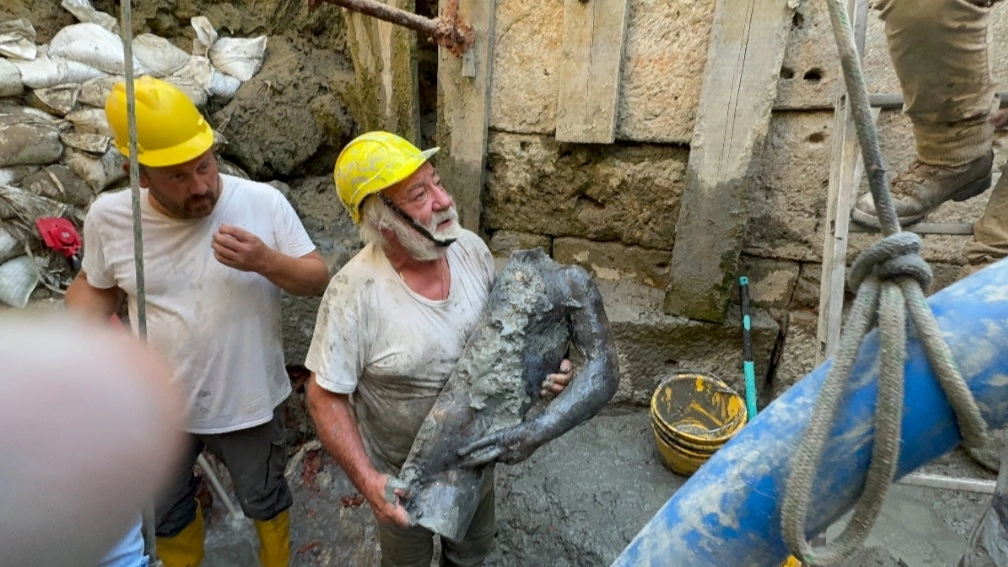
890 278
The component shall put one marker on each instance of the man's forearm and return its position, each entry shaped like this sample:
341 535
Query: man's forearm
337 430
84 299
306 275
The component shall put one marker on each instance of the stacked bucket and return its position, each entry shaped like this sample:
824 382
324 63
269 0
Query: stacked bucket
692 415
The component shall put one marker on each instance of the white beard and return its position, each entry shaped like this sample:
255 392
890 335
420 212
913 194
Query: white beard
417 245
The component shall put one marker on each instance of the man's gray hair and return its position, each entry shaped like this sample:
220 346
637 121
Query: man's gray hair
375 217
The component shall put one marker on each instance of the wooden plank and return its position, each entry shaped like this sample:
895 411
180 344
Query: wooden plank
591 56
385 69
739 87
464 111
947 228
845 176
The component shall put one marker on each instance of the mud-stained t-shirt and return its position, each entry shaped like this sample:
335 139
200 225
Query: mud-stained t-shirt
393 349
218 326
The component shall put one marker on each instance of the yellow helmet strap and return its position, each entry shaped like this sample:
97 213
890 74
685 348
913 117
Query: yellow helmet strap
416 225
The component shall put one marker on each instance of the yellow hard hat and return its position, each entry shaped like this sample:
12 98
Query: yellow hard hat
170 130
372 162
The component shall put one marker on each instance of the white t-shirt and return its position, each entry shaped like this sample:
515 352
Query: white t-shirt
219 326
393 349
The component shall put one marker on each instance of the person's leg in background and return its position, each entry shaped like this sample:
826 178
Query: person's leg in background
940 51
256 459
178 519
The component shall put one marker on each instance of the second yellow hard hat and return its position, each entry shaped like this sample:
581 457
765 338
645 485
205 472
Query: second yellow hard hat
372 162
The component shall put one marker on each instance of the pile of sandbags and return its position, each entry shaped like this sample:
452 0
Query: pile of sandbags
56 154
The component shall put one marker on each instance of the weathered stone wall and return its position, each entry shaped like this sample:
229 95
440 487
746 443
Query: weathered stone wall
613 208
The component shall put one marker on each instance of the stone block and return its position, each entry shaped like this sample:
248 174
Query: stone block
799 352
771 282
663 66
806 293
651 345
504 242
527 40
614 261
604 193
788 201
663 61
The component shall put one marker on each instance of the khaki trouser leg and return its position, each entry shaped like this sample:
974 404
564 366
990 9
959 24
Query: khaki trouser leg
990 234
940 51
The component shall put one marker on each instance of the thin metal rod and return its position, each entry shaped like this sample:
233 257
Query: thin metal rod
126 29
949 483
448 31
218 488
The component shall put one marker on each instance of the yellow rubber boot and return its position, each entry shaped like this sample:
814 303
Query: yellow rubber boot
184 549
274 540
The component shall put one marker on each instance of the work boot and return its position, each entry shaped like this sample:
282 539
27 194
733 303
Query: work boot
184 549
274 540
919 190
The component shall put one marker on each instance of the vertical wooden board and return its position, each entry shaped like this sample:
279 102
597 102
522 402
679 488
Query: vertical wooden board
736 98
845 177
464 112
385 68
590 59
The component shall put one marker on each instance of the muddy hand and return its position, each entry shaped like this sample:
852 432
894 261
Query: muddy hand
555 383
240 249
389 509
508 446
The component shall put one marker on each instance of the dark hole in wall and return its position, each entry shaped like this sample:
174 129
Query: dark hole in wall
813 75
427 68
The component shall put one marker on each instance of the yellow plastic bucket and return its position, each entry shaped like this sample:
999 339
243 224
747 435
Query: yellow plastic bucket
698 407
679 460
692 416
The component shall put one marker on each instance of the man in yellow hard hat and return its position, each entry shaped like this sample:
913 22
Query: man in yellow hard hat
391 326
217 251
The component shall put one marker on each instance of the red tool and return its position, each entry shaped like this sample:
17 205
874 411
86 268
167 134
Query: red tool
60 235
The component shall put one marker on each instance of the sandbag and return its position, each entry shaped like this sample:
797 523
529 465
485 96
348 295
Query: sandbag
58 100
58 183
96 91
90 121
191 87
158 55
47 71
10 246
83 11
96 144
206 36
238 57
222 85
26 139
17 39
26 207
93 46
18 278
12 175
194 79
99 173
10 79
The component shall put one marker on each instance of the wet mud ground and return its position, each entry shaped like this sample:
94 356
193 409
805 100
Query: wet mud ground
578 501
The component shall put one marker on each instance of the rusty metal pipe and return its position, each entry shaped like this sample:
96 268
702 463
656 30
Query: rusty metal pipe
449 31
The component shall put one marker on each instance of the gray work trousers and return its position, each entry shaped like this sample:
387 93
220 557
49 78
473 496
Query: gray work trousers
255 458
940 51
